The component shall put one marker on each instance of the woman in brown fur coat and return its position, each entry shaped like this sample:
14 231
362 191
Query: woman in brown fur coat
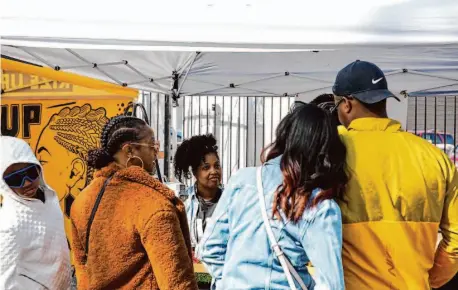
139 236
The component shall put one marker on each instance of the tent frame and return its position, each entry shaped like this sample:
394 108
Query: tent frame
181 74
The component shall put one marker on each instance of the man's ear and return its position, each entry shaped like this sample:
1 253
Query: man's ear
79 168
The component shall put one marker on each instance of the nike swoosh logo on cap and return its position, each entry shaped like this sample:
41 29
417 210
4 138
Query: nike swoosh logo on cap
376 81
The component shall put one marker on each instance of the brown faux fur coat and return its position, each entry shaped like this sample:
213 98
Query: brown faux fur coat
139 238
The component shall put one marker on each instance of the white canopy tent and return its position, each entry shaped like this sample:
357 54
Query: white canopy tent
240 48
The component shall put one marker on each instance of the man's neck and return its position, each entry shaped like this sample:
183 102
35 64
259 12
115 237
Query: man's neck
367 114
370 114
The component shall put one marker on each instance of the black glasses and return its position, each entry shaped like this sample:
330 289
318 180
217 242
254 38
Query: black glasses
336 105
18 178
327 106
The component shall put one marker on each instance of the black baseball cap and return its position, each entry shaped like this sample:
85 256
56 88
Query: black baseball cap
364 81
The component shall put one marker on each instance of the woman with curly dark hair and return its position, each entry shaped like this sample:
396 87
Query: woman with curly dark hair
129 230
273 220
198 157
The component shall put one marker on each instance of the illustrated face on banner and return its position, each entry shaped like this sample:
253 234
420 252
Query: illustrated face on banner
69 135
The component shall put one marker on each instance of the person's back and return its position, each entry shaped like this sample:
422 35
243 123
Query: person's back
129 228
401 190
236 248
138 237
393 205
250 262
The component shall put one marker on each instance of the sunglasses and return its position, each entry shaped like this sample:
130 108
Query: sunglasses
18 178
336 105
156 144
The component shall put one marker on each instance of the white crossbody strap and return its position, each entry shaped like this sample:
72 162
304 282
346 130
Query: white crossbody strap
288 268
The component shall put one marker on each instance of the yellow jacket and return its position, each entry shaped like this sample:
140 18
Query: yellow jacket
342 130
401 191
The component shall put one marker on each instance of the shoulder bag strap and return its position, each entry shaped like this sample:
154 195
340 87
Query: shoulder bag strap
93 212
288 268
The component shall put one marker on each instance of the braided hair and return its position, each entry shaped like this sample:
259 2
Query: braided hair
117 131
191 153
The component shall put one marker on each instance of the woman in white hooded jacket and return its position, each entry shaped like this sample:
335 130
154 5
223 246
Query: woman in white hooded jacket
34 252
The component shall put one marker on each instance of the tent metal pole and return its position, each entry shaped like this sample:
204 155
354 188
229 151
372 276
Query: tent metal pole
111 77
147 79
309 78
78 56
167 117
187 71
138 72
432 76
95 66
90 65
435 88
262 79
35 56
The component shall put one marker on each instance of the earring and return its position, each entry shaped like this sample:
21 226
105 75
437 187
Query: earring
134 157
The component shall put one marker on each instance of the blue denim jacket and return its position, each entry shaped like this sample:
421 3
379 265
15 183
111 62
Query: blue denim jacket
192 205
236 250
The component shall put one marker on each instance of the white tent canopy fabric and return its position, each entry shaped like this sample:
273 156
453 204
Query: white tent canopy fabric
408 68
245 48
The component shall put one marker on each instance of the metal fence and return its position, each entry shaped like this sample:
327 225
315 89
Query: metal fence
434 118
243 126
155 105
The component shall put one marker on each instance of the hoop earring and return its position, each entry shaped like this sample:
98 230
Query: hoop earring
134 157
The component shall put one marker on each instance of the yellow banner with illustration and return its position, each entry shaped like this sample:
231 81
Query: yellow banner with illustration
61 122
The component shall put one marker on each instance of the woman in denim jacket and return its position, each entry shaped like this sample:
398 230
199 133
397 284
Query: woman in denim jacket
303 172
198 157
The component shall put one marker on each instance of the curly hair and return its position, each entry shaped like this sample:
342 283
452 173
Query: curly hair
117 131
78 130
191 153
313 157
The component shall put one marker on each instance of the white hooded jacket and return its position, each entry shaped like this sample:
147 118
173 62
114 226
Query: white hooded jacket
34 252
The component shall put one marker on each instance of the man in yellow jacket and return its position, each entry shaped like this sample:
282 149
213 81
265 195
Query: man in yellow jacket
402 190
